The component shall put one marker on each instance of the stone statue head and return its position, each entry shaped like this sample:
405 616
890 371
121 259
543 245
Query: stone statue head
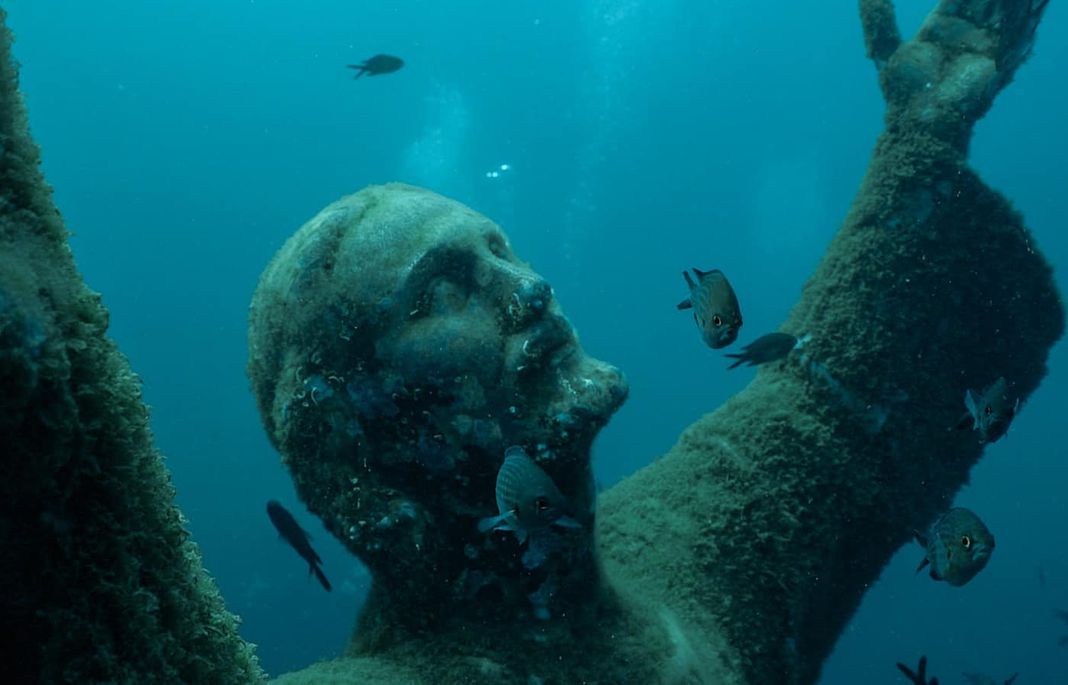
398 347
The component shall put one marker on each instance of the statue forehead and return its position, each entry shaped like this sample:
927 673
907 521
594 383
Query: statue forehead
385 230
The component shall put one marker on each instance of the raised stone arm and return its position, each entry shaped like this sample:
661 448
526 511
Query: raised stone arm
770 518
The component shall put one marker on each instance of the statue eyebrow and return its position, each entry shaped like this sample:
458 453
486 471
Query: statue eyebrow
445 261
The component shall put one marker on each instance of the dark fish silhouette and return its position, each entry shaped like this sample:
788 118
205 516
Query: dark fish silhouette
297 538
919 677
715 307
958 546
766 348
379 64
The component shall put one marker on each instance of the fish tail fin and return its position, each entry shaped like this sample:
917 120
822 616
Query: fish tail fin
971 401
923 541
567 522
492 522
312 568
907 671
360 70
740 360
685 304
1012 679
689 279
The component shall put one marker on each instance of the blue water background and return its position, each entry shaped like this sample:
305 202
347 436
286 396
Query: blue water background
187 140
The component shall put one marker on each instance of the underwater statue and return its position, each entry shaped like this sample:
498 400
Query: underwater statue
398 349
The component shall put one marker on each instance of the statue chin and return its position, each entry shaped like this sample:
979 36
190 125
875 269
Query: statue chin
592 389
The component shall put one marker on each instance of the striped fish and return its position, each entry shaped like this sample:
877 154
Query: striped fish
991 412
715 307
527 499
958 546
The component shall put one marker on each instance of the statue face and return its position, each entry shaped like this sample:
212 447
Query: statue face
469 316
398 347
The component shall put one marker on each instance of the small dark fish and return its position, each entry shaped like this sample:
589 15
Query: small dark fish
379 64
1061 614
766 348
991 412
527 499
919 677
958 546
715 307
297 538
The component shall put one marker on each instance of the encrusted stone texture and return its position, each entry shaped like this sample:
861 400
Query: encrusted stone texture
101 583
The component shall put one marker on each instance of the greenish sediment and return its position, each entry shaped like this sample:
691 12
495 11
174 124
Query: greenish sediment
101 583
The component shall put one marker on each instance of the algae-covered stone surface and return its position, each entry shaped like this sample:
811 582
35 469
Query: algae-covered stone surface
101 583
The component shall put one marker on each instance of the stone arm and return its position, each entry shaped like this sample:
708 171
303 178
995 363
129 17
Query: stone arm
100 580
771 517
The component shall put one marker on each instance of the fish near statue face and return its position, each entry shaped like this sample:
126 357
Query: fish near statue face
397 347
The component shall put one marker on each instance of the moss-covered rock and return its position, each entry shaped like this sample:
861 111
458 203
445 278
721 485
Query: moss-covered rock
101 583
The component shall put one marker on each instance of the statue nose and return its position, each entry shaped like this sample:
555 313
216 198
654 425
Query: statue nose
529 300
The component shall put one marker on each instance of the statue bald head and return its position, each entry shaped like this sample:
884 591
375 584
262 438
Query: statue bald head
397 348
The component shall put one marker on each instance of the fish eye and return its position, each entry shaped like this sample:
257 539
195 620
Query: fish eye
541 504
988 410
717 321
965 541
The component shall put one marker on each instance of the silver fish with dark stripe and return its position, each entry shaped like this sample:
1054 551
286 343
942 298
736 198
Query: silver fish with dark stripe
958 546
527 499
715 307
